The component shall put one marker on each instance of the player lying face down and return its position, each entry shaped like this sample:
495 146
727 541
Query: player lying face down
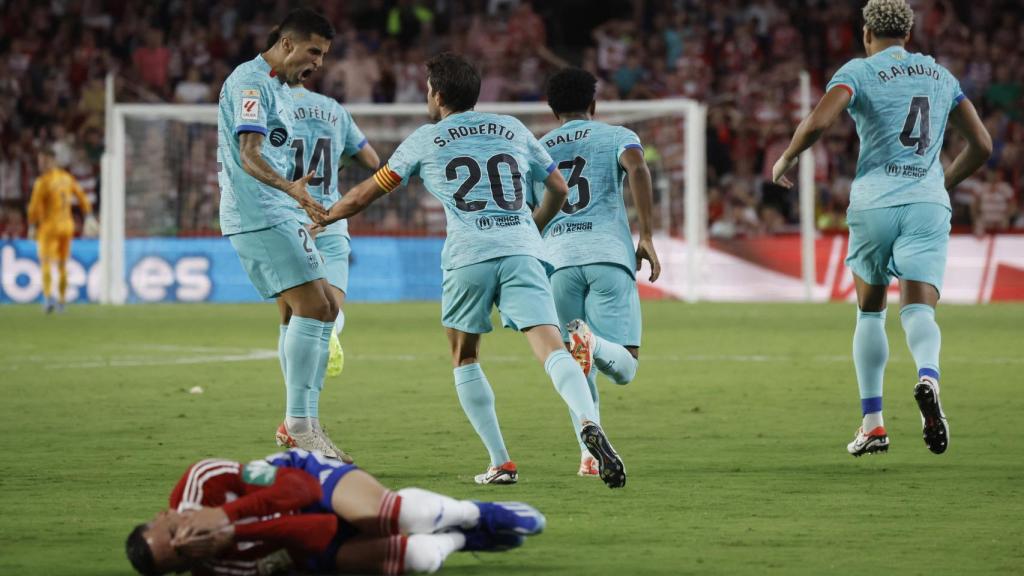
299 511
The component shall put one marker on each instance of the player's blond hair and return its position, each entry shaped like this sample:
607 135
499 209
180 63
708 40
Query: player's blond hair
888 18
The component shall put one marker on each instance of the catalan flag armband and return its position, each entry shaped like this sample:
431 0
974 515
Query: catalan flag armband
387 178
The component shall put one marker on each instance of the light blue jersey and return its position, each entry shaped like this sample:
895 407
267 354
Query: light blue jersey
480 166
592 227
324 134
900 103
253 100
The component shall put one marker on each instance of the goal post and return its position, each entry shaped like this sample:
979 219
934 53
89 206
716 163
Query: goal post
159 173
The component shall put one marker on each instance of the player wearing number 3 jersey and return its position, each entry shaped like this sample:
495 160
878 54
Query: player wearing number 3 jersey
899 213
588 244
480 167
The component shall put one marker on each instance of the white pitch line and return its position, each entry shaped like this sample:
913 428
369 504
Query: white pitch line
37 362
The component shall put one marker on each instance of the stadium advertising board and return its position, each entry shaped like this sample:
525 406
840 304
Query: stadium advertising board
208 270
388 269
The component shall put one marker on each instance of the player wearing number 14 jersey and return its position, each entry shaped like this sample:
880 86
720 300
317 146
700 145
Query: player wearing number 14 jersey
589 244
480 166
899 213
324 136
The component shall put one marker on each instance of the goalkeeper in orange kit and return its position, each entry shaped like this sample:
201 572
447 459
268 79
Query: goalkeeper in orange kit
52 226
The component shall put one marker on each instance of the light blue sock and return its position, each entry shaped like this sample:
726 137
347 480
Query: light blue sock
280 350
614 361
302 356
592 382
571 384
870 353
923 337
477 401
321 370
339 323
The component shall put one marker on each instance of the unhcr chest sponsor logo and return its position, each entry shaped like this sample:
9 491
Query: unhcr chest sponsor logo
905 171
570 227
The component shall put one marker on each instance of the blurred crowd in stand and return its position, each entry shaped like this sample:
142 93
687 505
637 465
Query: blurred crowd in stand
742 59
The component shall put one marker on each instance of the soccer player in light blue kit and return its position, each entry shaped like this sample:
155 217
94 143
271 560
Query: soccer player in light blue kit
480 166
899 214
589 244
324 136
255 126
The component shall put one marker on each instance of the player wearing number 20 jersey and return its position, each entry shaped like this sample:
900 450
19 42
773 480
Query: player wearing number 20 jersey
899 215
481 166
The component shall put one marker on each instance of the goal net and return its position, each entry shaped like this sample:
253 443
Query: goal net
160 176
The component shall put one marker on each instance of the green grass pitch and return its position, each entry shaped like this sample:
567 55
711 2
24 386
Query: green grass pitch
733 434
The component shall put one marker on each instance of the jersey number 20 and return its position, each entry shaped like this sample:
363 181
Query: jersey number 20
920 109
451 172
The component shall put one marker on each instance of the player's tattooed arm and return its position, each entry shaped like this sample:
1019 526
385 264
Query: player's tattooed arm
555 194
632 160
807 133
250 150
965 121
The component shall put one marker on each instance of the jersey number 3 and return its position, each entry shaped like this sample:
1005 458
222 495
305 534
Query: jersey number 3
920 110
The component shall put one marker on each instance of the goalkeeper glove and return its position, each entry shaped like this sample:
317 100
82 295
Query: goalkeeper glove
90 228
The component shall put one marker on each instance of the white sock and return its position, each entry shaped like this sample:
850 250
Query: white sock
298 425
339 324
872 421
425 553
425 512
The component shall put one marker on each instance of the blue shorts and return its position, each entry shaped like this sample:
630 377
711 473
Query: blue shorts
278 258
604 295
516 284
335 249
907 241
329 472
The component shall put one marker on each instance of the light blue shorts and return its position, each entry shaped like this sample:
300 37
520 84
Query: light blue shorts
516 284
335 249
278 258
907 241
604 295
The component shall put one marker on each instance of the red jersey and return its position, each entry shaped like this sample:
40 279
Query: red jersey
265 503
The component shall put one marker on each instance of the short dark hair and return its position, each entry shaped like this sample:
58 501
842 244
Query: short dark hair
571 90
303 22
455 79
139 552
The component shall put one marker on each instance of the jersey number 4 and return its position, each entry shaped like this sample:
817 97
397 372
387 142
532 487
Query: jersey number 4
920 109
451 172
321 154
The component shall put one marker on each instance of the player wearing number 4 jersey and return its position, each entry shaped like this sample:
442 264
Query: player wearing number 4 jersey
257 211
480 166
325 135
589 244
899 205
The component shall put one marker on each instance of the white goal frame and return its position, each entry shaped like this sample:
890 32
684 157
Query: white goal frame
113 289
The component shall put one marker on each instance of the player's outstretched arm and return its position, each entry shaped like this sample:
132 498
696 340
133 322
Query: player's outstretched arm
555 193
356 200
639 175
964 119
807 133
250 150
